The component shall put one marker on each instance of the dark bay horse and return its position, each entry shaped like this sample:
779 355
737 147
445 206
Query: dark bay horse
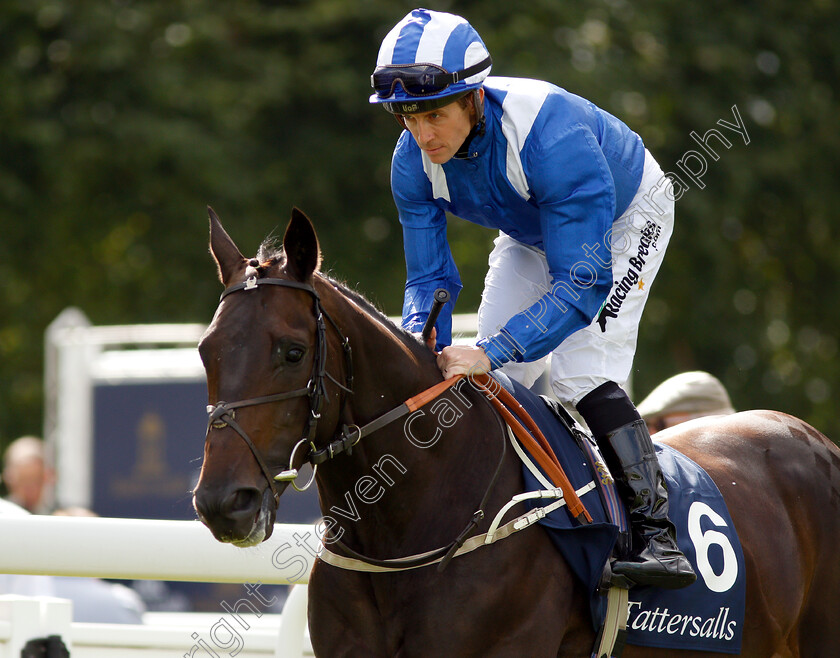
277 353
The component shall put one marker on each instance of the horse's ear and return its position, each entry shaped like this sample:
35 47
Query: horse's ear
303 255
229 259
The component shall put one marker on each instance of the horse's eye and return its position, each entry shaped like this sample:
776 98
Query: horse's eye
294 355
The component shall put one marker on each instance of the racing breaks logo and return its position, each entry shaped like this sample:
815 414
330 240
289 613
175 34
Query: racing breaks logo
633 277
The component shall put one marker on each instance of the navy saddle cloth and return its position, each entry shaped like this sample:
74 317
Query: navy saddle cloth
706 616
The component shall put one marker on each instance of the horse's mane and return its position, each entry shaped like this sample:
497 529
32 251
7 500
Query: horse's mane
270 254
407 338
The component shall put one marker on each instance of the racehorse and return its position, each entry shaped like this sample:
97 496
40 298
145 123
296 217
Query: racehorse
298 356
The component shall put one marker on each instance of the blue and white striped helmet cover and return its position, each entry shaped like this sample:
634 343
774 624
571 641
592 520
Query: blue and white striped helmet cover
433 37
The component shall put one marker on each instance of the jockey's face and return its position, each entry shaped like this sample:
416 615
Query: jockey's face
440 133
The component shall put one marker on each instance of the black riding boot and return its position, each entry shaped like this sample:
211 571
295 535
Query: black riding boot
657 560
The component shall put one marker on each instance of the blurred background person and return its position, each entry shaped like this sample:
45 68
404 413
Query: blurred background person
682 397
27 476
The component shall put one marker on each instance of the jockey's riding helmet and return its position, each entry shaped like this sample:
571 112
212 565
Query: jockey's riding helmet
428 60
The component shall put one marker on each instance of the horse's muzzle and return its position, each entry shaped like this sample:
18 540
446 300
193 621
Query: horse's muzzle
242 516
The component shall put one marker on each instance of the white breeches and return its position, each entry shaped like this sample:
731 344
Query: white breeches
603 351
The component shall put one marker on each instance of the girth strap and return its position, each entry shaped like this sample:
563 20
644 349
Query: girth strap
497 533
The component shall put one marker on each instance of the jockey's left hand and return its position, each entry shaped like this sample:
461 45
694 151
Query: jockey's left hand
463 360
431 342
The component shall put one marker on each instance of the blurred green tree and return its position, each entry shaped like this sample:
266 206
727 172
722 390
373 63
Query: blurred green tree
122 120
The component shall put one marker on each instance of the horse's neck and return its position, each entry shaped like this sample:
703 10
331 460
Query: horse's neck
387 368
418 479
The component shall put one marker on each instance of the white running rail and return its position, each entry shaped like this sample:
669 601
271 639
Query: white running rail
160 550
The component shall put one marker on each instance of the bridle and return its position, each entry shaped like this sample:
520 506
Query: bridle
222 414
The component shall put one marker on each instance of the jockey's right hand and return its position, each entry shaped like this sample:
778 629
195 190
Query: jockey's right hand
463 360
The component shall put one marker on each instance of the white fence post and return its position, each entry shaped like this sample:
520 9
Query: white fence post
293 623
33 618
142 548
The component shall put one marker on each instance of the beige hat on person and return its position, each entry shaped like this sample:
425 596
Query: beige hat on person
694 392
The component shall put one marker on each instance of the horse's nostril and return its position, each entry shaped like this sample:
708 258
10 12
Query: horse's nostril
241 501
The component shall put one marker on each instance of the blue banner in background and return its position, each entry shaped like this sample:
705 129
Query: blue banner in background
148 441
148 445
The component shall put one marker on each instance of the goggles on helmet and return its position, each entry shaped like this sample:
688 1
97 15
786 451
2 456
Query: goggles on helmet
420 79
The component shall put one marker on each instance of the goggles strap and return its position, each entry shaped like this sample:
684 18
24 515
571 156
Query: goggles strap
446 78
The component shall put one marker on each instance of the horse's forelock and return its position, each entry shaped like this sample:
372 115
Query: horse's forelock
270 253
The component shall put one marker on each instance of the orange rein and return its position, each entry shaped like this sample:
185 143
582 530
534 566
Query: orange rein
533 441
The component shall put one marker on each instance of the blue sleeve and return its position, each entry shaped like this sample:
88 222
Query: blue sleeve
428 258
571 182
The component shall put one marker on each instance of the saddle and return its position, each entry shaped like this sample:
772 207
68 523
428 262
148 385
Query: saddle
705 616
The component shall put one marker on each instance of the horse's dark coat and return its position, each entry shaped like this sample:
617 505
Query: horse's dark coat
779 477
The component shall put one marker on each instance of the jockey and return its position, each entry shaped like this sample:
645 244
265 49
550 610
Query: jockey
584 215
